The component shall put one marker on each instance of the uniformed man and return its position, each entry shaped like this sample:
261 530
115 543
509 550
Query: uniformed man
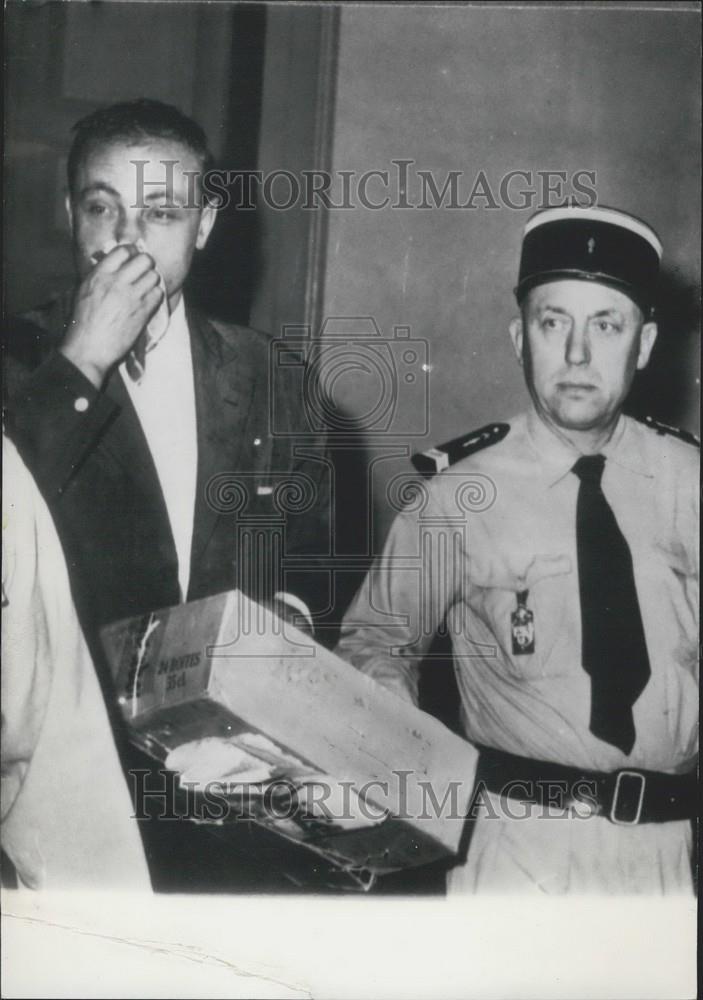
561 552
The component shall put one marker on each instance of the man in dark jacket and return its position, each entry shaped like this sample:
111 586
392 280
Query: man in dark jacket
147 425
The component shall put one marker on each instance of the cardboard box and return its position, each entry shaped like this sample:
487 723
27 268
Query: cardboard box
358 776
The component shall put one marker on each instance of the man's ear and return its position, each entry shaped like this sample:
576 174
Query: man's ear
516 335
69 211
648 335
207 221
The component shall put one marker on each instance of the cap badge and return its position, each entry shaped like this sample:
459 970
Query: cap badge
591 245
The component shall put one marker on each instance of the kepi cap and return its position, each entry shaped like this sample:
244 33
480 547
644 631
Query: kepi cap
593 244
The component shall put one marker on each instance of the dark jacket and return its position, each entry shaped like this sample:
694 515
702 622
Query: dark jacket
261 523
263 481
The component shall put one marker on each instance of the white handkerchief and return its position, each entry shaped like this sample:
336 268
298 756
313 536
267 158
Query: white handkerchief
158 324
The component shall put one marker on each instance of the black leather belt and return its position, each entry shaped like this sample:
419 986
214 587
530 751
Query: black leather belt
626 797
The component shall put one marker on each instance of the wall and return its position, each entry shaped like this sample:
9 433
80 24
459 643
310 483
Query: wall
297 104
497 89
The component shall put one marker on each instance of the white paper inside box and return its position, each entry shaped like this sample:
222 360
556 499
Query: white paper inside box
224 692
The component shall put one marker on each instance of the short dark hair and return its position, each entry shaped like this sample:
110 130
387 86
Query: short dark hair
133 122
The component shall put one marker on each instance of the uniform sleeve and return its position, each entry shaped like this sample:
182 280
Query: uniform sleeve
55 416
393 618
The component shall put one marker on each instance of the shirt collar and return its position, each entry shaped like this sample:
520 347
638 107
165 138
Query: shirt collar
627 448
557 456
177 324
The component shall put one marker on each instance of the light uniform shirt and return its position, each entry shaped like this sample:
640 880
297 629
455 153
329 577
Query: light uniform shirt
165 403
65 809
503 521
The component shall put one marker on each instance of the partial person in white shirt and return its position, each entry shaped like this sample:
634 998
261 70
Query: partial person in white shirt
66 818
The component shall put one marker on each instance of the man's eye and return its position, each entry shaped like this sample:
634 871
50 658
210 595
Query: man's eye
96 208
552 322
607 326
162 214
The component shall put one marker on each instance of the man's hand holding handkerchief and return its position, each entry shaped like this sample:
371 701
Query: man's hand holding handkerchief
154 330
121 311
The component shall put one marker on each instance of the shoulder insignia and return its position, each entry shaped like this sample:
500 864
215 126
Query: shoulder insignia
436 459
677 432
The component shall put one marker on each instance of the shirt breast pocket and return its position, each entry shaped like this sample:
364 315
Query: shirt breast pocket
530 617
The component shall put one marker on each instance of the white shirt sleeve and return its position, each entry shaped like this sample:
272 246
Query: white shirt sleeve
66 814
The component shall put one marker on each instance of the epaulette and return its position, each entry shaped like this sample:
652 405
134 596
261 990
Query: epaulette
677 432
436 459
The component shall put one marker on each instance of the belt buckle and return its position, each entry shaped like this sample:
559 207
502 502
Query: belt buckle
613 815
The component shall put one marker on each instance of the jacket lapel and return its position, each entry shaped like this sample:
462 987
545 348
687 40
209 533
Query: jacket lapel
128 444
225 383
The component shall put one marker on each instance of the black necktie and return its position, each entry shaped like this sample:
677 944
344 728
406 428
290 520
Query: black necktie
614 649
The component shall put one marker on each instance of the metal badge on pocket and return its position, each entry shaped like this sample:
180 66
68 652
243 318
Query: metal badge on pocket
522 626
